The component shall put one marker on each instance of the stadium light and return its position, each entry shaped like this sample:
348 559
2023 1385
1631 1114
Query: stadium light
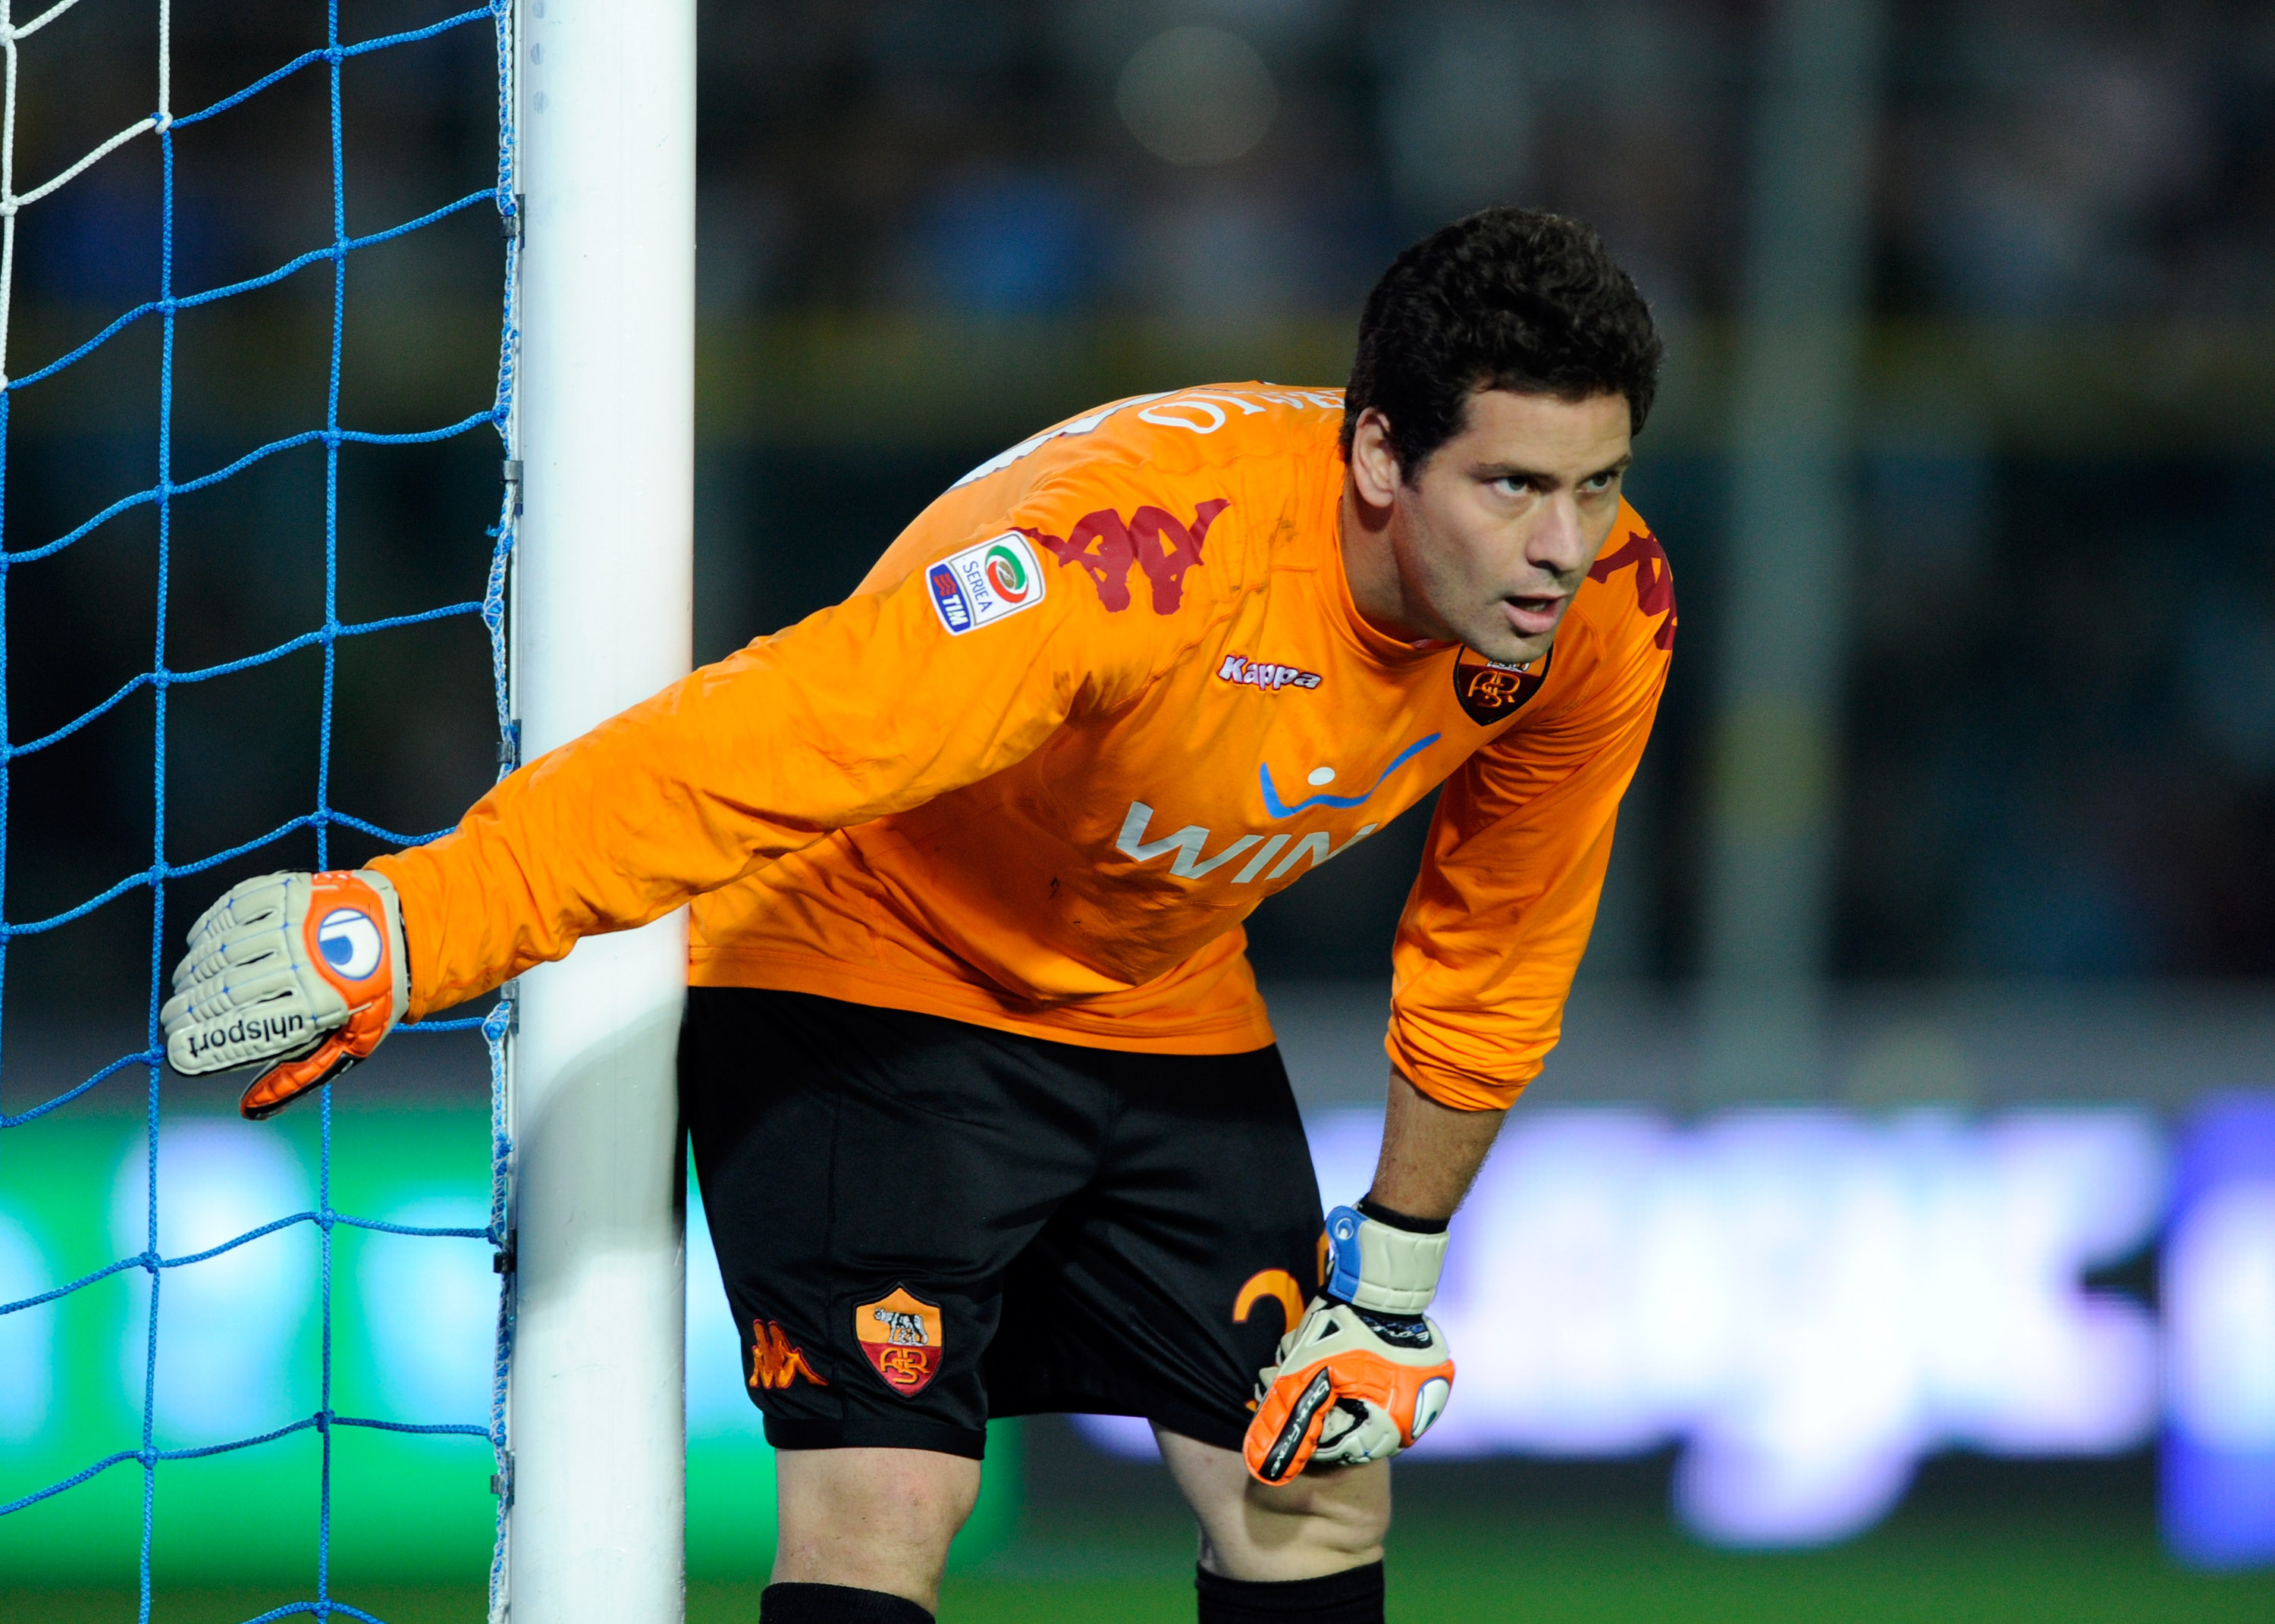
1808 1299
2218 1291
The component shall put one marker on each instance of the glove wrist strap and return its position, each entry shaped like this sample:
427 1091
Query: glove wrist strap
1368 1207
1375 1265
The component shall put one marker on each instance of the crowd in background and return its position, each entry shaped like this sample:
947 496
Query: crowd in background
2061 751
2040 159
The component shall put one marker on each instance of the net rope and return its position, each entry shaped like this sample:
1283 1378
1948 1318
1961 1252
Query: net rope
494 1025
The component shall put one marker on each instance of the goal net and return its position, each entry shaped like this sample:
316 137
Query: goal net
261 569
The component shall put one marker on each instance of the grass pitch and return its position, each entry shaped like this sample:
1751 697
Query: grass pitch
2086 1570
1977 1543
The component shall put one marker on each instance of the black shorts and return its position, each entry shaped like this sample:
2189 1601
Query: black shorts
923 1224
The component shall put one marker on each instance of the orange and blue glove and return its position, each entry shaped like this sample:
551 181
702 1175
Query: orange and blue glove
1364 1372
299 974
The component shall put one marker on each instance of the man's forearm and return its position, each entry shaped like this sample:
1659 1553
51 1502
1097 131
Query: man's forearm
1430 1152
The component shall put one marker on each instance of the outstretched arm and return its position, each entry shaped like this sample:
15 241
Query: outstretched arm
909 688
874 707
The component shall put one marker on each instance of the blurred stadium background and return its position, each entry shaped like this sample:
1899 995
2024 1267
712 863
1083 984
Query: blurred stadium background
1893 1235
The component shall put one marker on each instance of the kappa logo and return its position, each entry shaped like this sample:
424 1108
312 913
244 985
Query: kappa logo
1654 580
1105 545
1263 675
1190 842
986 582
900 1335
774 1362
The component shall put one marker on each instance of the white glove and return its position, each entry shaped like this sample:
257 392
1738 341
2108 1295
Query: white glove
304 973
1364 1372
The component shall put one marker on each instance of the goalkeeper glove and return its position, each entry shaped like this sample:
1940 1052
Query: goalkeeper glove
1364 1372
300 974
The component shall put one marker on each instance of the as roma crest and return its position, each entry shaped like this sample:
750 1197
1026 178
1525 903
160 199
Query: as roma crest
901 1336
1492 692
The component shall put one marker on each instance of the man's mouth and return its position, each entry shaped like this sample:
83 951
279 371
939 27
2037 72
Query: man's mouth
1534 615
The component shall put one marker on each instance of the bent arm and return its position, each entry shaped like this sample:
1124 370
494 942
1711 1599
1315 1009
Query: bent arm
1500 912
1431 1154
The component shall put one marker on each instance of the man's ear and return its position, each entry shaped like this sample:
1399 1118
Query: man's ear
1374 463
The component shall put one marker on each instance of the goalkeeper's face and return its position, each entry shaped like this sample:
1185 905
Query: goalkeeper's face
1496 531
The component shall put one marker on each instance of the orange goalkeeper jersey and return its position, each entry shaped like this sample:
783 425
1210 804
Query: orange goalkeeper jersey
1100 701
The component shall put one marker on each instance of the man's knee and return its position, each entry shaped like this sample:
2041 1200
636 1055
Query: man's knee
900 1494
870 1519
1323 1522
1339 1517
1309 1549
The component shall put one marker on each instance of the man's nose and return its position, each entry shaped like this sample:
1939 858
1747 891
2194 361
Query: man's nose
1559 543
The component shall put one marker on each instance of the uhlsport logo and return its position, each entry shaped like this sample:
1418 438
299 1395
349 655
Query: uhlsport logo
1263 675
350 943
258 1029
985 582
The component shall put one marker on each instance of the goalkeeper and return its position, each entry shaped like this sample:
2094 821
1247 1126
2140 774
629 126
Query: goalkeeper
984 1104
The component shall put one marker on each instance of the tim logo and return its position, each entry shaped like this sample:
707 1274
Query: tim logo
900 1335
1264 675
1654 580
1184 847
1156 540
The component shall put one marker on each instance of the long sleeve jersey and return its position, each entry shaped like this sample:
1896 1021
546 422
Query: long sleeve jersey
1100 699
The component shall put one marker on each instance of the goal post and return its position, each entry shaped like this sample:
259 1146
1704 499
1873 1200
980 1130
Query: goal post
602 619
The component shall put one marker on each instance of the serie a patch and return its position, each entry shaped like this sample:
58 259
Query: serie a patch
986 582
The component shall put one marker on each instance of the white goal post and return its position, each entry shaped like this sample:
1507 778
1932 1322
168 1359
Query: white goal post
602 619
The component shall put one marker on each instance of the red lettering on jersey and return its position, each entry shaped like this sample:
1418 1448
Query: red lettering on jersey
1654 579
1106 545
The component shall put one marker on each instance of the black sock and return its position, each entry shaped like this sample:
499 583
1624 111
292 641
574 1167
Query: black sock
841 1603
1351 1597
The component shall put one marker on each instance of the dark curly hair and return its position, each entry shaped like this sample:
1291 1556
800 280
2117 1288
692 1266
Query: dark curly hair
1507 298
